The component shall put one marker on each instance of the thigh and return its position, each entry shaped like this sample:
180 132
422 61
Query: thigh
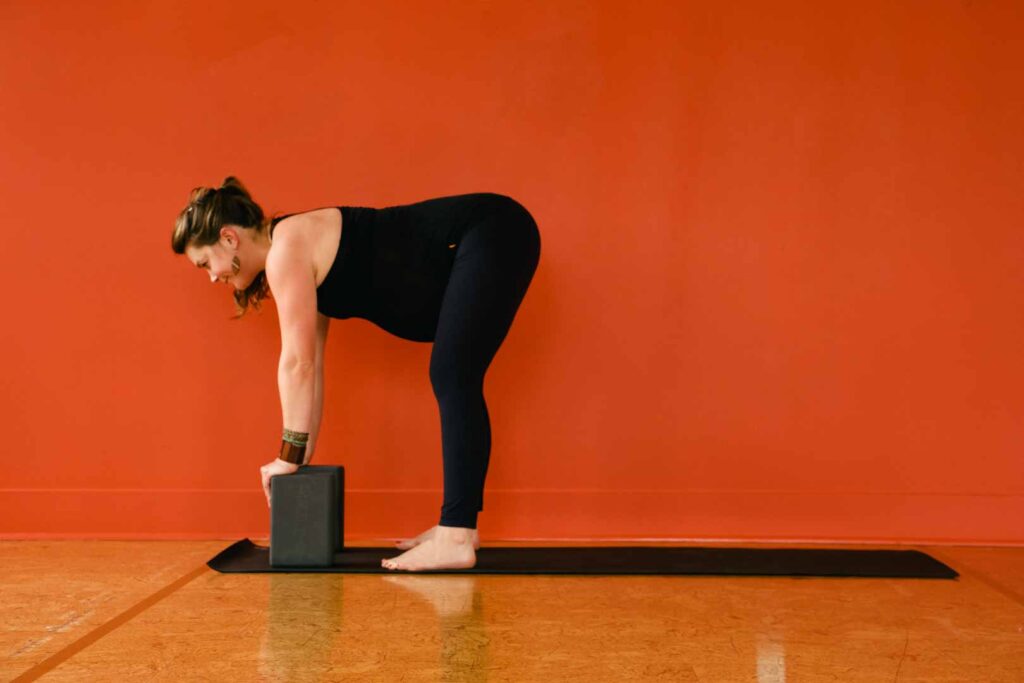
493 267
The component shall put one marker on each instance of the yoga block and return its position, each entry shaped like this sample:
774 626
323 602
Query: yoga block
307 516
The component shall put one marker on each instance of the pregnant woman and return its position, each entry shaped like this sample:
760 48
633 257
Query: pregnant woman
449 270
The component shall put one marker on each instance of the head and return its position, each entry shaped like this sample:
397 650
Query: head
224 233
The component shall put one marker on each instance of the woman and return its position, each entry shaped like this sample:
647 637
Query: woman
451 270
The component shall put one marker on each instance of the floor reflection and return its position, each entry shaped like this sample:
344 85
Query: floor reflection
304 617
307 637
464 654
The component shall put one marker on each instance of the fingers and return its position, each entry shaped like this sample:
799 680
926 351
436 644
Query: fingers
265 479
271 470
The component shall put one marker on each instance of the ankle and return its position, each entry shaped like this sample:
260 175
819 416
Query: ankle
456 534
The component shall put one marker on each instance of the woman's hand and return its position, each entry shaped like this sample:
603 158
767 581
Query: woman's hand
278 466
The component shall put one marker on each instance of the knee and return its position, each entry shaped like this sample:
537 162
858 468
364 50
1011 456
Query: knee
451 379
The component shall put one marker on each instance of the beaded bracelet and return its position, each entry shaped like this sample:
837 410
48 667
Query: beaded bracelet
293 446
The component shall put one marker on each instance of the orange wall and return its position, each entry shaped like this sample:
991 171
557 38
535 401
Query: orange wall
779 297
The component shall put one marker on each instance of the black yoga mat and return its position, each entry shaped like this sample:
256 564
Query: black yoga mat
246 557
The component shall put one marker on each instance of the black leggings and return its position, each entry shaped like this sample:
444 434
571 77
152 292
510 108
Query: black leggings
493 266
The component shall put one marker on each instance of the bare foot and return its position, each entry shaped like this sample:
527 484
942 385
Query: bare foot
427 535
448 548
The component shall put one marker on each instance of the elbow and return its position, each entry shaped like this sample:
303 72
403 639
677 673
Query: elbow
298 366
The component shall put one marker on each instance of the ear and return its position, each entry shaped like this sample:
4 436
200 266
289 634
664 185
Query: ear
229 231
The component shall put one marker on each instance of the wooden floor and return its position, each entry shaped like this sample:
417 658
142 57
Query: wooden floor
152 611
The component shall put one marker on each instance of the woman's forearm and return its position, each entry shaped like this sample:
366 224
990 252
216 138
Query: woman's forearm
318 411
297 385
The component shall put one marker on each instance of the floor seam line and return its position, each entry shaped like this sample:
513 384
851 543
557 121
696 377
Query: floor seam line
76 646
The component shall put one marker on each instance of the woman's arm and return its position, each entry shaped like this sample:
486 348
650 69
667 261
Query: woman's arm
318 411
291 277
322 324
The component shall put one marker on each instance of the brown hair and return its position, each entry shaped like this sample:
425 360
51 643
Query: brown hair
208 210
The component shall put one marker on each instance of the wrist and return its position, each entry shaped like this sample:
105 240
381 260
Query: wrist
292 452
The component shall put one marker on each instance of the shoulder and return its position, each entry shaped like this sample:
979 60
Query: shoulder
304 225
288 223
291 245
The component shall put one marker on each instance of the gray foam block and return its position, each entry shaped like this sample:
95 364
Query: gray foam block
307 516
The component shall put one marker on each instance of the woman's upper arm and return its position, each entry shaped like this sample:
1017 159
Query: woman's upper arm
291 278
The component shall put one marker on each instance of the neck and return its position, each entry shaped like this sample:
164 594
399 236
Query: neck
261 243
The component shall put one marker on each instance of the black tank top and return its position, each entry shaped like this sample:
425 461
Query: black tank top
393 263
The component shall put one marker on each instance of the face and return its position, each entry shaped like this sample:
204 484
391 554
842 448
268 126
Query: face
221 260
